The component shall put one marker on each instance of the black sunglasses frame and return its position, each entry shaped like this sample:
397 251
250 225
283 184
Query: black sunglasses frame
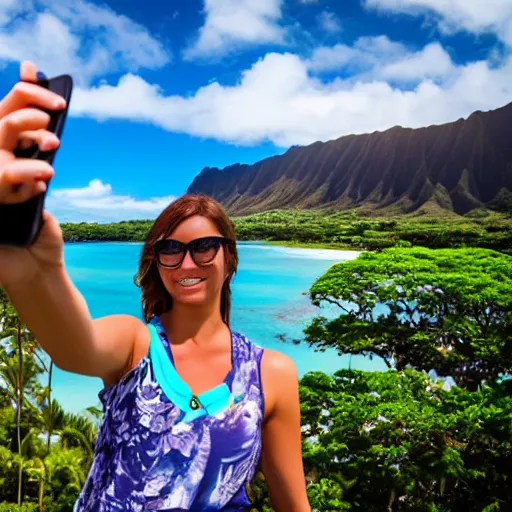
163 244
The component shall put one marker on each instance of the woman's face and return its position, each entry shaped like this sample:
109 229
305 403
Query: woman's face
189 283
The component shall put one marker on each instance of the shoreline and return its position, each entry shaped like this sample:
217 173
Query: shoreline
310 245
277 243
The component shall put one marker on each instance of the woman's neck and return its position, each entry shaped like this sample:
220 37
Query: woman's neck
183 323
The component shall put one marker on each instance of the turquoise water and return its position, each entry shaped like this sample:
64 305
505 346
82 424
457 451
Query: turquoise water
268 300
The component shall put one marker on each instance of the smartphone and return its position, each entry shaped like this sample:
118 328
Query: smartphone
21 223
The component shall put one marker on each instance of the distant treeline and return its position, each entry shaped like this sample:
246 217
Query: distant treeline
345 229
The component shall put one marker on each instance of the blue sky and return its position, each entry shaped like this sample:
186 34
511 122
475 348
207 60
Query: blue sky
165 88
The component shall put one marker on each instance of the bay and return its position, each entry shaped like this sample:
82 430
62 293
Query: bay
269 299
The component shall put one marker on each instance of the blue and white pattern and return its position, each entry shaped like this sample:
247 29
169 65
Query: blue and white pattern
148 458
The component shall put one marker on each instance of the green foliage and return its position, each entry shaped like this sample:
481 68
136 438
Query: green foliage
9 463
397 438
347 230
394 440
448 310
34 472
326 494
129 231
338 230
67 471
26 507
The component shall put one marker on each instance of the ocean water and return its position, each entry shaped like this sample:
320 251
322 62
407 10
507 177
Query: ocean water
269 299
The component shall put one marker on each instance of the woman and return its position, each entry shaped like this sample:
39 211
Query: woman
191 408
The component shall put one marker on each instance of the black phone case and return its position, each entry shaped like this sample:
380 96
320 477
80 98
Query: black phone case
21 223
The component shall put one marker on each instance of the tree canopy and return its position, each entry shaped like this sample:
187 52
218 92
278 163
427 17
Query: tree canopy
449 310
341 229
396 439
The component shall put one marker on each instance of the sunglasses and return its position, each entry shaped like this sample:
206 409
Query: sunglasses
171 253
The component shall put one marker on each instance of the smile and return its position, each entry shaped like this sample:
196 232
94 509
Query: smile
190 281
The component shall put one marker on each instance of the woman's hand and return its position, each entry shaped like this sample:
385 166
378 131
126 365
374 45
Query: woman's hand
23 124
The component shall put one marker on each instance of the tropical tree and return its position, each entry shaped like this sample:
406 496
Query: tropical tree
80 432
67 470
39 470
403 438
32 463
448 310
19 372
399 441
51 414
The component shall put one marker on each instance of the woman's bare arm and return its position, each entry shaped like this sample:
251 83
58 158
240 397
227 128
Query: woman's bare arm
35 277
282 448
58 316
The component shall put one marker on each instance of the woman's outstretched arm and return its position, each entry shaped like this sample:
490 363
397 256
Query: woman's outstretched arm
35 278
58 316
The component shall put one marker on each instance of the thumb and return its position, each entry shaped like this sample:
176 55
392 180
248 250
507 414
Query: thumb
50 224
48 217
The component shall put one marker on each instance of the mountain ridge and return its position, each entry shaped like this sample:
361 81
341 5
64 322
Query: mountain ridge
457 166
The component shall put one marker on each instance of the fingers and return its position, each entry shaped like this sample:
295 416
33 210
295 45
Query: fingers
19 121
21 170
25 94
22 179
23 123
22 193
47 141
28 71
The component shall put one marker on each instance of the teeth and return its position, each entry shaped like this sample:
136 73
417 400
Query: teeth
189 282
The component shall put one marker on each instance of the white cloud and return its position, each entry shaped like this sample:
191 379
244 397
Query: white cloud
383 59
329 22
278 99
379 58
431 62
95 189
366 54
97 203
478 16
233 23
80 38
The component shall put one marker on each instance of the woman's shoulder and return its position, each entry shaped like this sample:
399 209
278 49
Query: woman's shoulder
279 380
277 363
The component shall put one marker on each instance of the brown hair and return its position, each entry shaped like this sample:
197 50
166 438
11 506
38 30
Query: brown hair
155 298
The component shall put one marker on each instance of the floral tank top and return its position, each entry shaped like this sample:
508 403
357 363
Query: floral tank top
162 448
